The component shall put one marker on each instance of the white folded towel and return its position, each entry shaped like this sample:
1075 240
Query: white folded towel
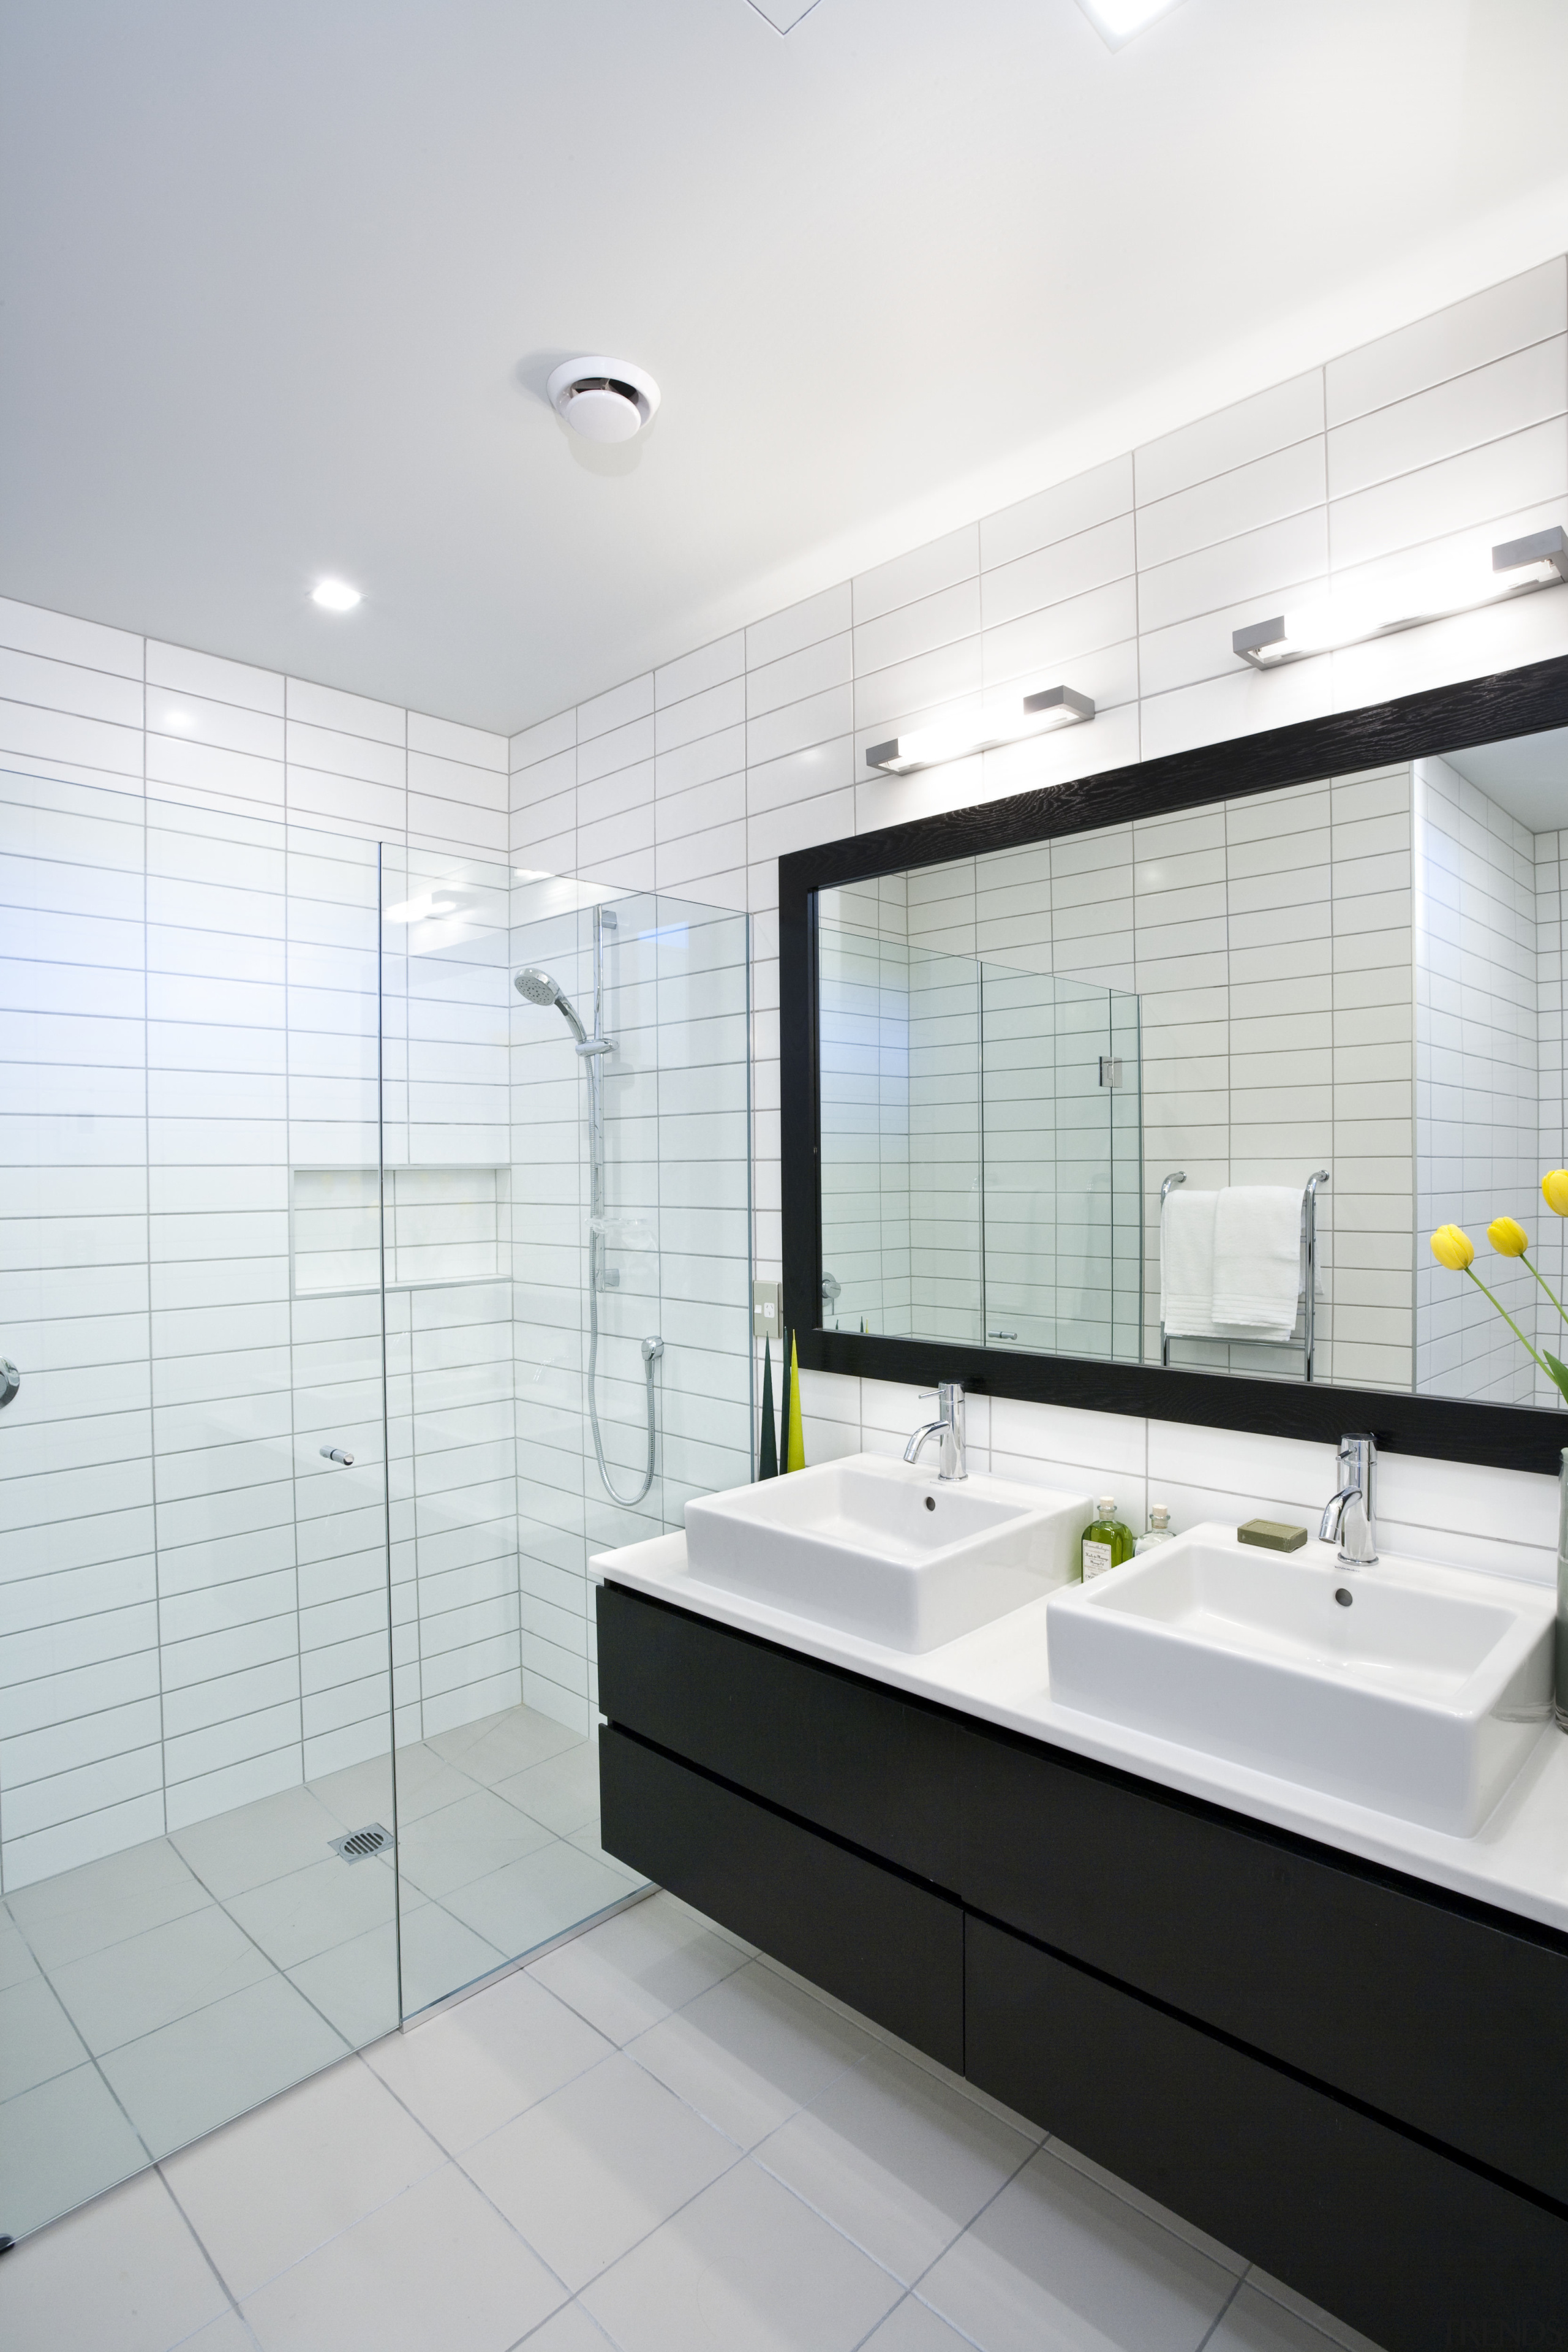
1257 1260
1186 1264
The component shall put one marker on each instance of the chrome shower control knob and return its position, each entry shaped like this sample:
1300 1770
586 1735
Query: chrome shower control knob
10 1379
336 1454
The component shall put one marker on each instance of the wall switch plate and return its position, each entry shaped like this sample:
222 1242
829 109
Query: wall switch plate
766 1324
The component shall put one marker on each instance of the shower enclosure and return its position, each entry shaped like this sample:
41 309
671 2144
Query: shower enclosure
327 1265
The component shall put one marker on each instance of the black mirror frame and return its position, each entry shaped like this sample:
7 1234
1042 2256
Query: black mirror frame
1522 701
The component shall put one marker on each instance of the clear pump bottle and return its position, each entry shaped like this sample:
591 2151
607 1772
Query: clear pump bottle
1159 1527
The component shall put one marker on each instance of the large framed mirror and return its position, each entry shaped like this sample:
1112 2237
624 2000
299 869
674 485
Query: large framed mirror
1147 1091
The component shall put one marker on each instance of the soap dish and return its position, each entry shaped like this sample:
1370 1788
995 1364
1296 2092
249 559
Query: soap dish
1272 1535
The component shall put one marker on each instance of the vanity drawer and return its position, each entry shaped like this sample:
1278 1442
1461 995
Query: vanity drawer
889 1946
1405 2242
1438 2014
857 1759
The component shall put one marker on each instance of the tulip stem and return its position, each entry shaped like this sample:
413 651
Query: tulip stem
1508 1319
1546 1287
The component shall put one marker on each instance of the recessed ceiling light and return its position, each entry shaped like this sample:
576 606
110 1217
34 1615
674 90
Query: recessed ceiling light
1117 20
334 595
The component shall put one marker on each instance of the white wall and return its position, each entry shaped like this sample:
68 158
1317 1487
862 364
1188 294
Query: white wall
1125 583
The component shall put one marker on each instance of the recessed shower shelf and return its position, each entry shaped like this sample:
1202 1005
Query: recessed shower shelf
445 1228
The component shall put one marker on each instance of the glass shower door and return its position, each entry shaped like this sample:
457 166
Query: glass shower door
196 1905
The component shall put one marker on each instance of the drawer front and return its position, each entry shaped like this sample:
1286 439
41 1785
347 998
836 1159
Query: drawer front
1406 2243
1440 2018
890 1947
860 1761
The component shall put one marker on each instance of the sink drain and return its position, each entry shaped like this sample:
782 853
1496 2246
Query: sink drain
359 1845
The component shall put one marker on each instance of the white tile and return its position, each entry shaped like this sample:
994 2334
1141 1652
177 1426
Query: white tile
437 2266
30 733
916 628
588 2171
1252 566
122 2271
925 570
1505 318
218 681
1055 2260
468 2072
65 686
897 2160
1243 498
34 629
822 615
1061 513
268 2190
348 714
639 1967
475 747
618 748
749 2051
1476 488
1461 413
747 2266
1249 429
623 704
695 672
1067 567
546 740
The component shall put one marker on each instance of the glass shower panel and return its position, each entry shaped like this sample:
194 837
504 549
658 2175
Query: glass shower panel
194 1624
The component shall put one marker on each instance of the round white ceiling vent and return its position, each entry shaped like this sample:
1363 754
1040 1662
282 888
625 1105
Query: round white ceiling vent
604 400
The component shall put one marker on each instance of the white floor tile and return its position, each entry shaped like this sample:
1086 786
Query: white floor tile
562 1792
542 1896
745 2266
476 2066
37 2039
912 2327
270 2189
440 1955
1223 2256
1255 2324
437 2267
211 2065
1057 2264
355 1985
895 2160
16 1961
498 1745
478 1833
59 2143
121 2274
106 1901
571 2330
131 1989
235 1850
309 1911
639 1967
750 2052
591 2170
228 2334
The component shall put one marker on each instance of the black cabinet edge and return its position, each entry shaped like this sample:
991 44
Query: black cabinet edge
1499 2180
797 1820
1496 1915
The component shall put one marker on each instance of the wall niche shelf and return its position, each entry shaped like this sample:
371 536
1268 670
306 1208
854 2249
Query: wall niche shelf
446 1228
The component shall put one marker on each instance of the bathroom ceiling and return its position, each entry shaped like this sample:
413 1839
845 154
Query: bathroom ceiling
282 285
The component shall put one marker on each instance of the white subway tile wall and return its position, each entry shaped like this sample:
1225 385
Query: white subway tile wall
1126 583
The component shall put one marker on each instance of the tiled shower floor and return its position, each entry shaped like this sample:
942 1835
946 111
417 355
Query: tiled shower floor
150 1996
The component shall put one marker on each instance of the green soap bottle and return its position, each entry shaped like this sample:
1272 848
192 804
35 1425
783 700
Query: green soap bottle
1107 1541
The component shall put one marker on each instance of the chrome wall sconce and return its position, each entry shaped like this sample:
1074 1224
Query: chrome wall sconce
931 747
1457 583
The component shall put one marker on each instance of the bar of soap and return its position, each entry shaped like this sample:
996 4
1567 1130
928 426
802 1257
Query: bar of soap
1272 1535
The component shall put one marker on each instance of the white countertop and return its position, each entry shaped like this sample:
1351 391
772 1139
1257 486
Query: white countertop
1518 1860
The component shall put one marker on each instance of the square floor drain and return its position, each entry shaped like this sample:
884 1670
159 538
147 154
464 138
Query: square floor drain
359 1845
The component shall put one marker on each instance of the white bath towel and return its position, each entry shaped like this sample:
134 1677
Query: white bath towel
1186 1264
1257 1260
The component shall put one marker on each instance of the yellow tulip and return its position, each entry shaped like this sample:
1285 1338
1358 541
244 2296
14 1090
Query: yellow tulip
1508 1237
1452 1247
1554 1192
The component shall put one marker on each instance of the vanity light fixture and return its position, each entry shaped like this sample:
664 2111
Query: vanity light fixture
334 595
1458 584
931 747
1116 21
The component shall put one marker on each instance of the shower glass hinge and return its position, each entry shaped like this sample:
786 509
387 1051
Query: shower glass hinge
1110 1069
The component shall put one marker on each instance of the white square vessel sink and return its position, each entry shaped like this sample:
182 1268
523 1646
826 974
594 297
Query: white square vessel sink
1422 1696
886 1549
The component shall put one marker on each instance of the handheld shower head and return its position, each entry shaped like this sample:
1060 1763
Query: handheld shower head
540 988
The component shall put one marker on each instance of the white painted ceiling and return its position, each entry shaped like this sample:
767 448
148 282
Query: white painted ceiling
282 282
1528 776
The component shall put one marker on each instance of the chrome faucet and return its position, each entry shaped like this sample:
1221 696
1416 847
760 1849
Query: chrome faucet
949 1428
1351 1514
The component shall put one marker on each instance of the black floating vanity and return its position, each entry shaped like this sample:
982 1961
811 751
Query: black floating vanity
1356 2080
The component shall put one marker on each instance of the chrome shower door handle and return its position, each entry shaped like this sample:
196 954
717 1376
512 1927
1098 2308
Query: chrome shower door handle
10 1380
336 1454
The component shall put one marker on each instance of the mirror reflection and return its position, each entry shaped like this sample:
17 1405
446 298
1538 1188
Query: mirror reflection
1196 1089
